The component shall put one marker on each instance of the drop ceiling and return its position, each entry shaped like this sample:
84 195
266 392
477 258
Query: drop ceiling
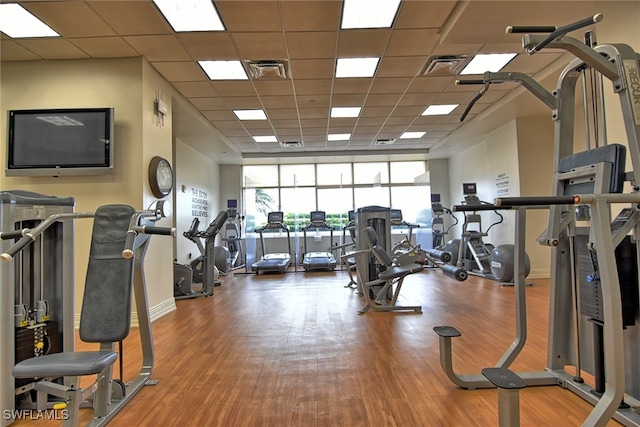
306 34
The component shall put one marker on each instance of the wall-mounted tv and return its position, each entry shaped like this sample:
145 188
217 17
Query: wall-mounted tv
54 142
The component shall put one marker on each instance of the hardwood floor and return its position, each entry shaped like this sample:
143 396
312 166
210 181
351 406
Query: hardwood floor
291 350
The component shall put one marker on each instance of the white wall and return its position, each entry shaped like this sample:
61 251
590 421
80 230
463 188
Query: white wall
195 174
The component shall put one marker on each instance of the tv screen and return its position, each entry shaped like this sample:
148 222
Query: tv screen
72 141
469 188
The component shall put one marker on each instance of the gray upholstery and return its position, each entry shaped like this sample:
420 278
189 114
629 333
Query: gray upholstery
65 364
106 305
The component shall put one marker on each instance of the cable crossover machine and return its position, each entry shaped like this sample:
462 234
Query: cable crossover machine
594 303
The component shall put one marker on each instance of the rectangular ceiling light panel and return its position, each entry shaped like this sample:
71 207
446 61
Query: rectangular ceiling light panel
338 137
265 138
17 22
412 135
192 15
356 67
439 110
345 112
224 70
483 62
368 13
250 114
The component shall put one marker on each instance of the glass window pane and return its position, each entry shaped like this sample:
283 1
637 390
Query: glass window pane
297 203
414 202
297 175
337 203
334 174
370 173
371 196
405 172
260 176
266 200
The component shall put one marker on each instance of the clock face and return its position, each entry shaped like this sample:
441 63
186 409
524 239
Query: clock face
160 176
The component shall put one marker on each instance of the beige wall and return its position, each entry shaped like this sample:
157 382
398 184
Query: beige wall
128 85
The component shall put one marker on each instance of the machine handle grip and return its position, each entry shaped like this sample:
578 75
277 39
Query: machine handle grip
17 247
127 252
514 29
164 231
505 202
473 208
566 29
469 82
8 235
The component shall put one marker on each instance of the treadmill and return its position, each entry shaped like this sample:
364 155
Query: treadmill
318 260
273 262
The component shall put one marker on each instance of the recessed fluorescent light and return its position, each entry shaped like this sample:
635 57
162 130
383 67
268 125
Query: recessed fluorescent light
224 70
192 15
16 22
356 67
338 137
368 13
345 111
265 138
439 110
250 114
483 62
412 135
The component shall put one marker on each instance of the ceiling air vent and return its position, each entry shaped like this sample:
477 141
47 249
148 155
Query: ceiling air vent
268 69
291 144
387 141
444 65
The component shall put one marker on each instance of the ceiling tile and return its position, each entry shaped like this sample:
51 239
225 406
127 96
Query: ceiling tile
348 100
282 113
352 85
209 103
53 48
317 15
430 84
362 42
412 42
272 101
187 71
131 17
312 68
278 124
159 48
104 47
378 99
314 101
397 66
12 51
312 87
273 87
233 87
390 85
379 112
85 22
314 113
195 89
311 45
208 45
260 46
418 99
238 102
423 14
249 16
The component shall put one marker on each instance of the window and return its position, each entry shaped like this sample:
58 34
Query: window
371 173
297 175
334 174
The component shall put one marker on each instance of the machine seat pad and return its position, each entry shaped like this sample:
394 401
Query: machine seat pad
399 271
65 364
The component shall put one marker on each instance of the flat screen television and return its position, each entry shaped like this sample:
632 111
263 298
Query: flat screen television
54 142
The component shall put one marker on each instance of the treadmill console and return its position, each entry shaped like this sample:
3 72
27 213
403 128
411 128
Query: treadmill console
275 218
396 215
318 216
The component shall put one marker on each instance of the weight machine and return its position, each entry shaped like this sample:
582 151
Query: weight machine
594 275
233 236
119 242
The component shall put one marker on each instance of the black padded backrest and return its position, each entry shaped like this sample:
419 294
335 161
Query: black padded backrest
616 154
372 236
381 255
106 305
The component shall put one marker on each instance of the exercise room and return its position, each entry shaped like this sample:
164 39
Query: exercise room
319 213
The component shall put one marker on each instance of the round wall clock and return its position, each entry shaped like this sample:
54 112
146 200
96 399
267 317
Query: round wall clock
160 176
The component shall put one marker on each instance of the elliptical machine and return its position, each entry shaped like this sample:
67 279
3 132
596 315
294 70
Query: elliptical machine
201 270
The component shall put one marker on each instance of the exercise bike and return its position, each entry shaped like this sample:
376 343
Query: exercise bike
201 270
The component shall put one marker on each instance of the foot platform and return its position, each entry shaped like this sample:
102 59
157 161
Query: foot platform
508 384
447 331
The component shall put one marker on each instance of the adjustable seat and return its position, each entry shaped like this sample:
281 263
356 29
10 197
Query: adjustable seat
105 319
390 276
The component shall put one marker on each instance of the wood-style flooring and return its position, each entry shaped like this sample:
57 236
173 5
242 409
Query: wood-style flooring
291 350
